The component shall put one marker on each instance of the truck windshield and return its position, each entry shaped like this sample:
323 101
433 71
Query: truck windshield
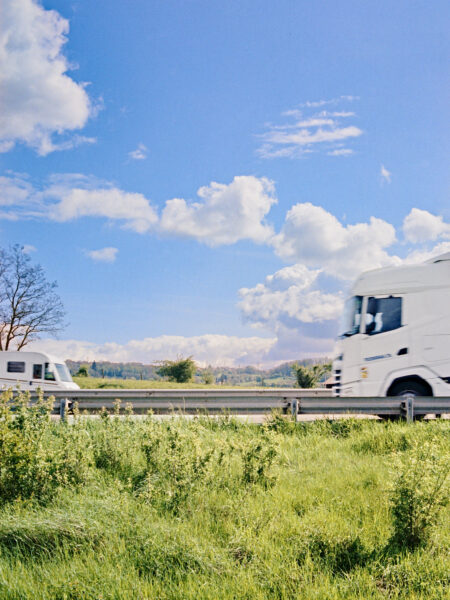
63 372
351 318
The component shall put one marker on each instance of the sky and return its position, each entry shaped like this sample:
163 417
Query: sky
208 178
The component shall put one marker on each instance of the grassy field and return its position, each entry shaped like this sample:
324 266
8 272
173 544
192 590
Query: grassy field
118 508
91 383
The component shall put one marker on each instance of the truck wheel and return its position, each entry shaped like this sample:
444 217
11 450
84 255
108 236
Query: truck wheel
413 388
410 388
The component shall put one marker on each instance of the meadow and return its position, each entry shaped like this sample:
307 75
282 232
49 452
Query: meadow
118 508
91 383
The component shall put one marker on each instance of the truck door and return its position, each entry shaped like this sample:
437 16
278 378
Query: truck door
384 347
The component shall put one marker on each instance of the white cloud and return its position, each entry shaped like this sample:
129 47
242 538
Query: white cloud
28 249
314 237
39 99
420 256
339 99
108 254
220 350
385 175
308 133
341 152
288 298
133 210
140 153
225 213
422 226
72 196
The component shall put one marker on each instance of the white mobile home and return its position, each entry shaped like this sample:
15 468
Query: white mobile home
32 370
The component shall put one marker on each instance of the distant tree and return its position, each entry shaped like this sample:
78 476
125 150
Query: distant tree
309 377
208 377
29 305
181 370
94 366
82 371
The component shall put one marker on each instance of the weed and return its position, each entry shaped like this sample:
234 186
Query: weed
419 492
34 462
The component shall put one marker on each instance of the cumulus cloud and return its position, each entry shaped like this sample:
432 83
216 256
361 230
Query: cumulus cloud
288 298
140 153
422 226
316 238
38 98
419 256
305 132
133 210
225 213
385 175
108 254
216 350
72 196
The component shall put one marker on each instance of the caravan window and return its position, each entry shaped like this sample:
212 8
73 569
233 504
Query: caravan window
15 367
63 372
383 314
49 374
37 371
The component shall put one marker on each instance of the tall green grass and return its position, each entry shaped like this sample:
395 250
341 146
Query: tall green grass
216 508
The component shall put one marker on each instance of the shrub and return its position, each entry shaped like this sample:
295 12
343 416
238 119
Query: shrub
280 423
181 370
176 461
258 456
33 461
208 377
309 377
419 491
83 371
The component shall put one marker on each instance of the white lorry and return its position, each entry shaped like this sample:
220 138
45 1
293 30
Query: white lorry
32 370
395 333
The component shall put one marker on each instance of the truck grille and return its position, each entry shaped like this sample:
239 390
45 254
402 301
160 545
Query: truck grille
337 382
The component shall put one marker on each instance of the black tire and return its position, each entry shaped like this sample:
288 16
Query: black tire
413 388
410 388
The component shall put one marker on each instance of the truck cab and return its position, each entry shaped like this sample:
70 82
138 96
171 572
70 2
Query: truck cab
395 333
32 370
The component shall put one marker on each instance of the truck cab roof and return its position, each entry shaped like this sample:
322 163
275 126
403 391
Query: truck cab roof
434 273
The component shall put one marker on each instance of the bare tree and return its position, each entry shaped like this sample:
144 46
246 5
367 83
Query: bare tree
29 305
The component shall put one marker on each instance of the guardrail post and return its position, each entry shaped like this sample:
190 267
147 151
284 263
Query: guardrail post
294 408
409 407
63 408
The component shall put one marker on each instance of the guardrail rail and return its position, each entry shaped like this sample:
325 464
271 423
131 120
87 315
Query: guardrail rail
245 401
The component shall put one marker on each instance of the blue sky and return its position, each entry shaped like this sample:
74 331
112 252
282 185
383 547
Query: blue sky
316 132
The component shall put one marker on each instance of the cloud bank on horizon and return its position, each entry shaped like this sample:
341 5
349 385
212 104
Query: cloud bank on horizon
297 305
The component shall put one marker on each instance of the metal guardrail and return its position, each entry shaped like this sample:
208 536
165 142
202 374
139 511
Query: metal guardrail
246 401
